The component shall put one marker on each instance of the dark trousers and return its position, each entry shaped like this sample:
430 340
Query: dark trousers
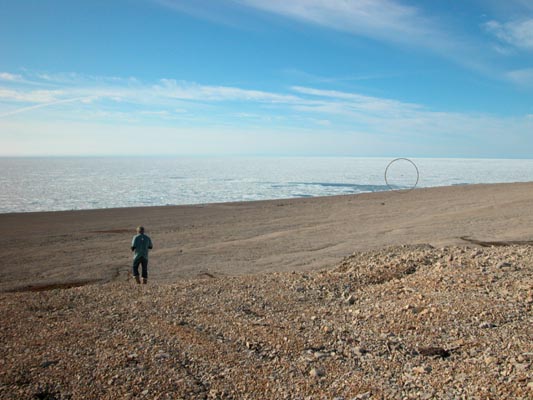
144 262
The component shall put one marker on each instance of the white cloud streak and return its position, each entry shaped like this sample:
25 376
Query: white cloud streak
31 96
166 92
515 33
133 103
388 21
360 102
6 76
399 119
382 19
523 77
190 91
35 107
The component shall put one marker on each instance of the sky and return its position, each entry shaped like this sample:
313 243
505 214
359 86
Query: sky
365 78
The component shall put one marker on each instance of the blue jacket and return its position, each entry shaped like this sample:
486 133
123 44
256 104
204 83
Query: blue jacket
141 244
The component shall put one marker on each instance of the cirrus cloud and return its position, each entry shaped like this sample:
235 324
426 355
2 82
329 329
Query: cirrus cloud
515 33
321 112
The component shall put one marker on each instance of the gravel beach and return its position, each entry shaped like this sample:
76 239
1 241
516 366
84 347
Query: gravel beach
402 322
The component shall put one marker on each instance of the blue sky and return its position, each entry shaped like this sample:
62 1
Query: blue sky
434 78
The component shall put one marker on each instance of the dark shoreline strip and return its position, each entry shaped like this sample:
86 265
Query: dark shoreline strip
53 286
496 243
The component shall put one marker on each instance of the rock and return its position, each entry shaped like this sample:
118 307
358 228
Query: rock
350 300
503 265
46 364
317 372
425 369
434 352
360 351
427 395
319 355
490 360
419 310
477 253
160 356
327 329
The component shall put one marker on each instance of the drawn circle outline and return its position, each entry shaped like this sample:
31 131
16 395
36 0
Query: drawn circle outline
417 175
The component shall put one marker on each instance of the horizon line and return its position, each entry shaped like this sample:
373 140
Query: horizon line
242 155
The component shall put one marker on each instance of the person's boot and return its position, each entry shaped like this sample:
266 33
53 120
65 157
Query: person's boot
145 281
137 279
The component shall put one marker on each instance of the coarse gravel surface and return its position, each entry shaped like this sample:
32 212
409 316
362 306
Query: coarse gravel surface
400 322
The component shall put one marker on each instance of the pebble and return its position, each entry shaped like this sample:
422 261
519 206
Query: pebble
477 253
425 369
46 364
360 351
317 372
434 352
327 329
490 360
487 325
350 300
503 265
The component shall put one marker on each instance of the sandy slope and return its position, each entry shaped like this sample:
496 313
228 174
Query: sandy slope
251 237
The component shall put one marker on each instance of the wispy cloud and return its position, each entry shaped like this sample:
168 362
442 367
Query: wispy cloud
99 90
517 33
380 19
191 91
6 76
396 119
160 112
299 75
131 100
396 22
30 96
522 77
35 107
358 101
175 104
214 11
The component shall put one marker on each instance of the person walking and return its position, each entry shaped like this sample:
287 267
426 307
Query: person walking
141 245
